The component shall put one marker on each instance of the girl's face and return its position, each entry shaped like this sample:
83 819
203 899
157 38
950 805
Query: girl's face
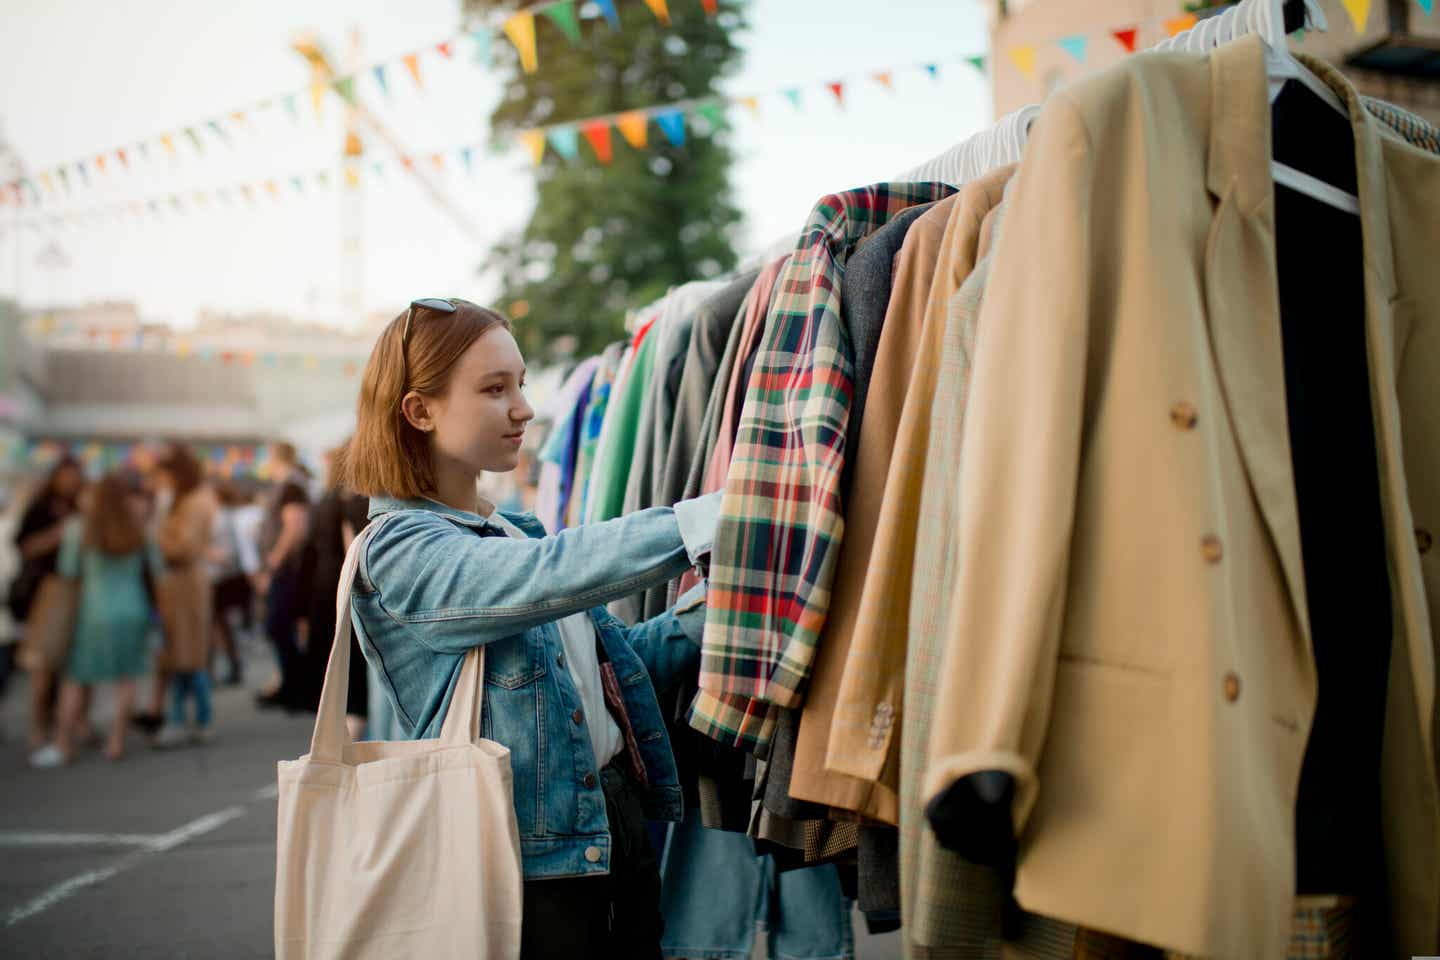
480 420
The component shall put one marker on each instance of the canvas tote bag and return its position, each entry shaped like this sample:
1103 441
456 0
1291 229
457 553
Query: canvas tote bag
397 849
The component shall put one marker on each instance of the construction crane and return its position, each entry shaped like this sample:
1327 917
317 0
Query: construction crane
352 222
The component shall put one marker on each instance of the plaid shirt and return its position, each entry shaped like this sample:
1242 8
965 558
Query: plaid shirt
782 521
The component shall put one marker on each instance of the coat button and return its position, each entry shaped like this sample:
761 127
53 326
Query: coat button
592 854
1211 549
1232 687
560 659
1423 540
578 716
1183 415
589 781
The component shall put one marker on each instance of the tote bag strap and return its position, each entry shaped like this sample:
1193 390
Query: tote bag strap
462 721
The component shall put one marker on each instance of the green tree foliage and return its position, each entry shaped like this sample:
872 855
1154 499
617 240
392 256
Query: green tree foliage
606 239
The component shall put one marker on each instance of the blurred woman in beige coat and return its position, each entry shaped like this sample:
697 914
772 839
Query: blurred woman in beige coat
184 593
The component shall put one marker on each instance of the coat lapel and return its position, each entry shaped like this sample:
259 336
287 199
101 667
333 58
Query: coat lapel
1243 298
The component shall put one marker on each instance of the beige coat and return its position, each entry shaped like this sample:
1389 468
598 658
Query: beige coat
184 591
1129 635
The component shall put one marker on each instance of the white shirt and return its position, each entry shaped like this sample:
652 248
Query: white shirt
577 635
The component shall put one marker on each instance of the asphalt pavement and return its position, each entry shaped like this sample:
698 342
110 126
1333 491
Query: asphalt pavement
164 854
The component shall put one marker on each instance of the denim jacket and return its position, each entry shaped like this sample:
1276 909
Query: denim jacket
435 582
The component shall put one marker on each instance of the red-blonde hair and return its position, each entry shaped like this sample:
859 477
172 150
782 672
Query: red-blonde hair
387 456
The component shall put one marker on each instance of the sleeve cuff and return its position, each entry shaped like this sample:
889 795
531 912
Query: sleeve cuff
697 519
944 772
689 610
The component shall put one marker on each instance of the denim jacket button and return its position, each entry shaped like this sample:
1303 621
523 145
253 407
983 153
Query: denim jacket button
560 659
589 783
578 716
592 854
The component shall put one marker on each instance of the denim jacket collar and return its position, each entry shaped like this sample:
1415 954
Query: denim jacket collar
382 505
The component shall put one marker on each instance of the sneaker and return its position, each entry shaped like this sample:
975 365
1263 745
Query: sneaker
47 757
170 736
202 736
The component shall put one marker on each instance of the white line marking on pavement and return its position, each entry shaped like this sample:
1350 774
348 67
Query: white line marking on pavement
150 846
21 838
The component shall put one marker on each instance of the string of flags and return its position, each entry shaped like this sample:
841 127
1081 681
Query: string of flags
1078 46
518 26
97 456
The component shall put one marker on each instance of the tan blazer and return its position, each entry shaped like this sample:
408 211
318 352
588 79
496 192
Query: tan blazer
184 591
1129 636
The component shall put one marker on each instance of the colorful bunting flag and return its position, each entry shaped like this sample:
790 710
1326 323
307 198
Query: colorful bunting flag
1428 6
934 70
607 7
566 140
45 179
445 49
379 169
562 14
352 177
598 133
534 141
886 79
100 162
407 162
838 89
345 86
322 177
298 183
219 132
84 174
194 139
123 158
1359 11
753 103
712 7
168 144
1075 46
1180 24
437 160
1024 59
521 30
466 159
290 107
412 63
634 127
672 124
977 62
239 117
793 94
484 40
144 149
658 8
1126 38
714 113
379 72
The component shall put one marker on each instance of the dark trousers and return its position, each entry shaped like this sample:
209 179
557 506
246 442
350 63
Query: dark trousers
615 916
281 609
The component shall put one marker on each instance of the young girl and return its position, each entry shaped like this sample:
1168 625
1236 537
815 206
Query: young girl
569 689
110 554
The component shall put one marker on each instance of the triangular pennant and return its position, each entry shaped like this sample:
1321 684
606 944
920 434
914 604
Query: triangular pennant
446 49
273 189
712 7
484 40
566 140
100 162
1180 24
322 178
634 127
84 174
194 139
467 159
607 7
168 143
1428 6
977 62
378 168
245 192
345 86
407 162
838 89
534 141
598 133
521 31
290 107
379 73
144 149
122 157
658 8
352 177
793 95
175 202
886 79
317 96
1126 38
934 69
672 124
49 184
753 103
239 117
437 160
64 176
219 132
299 184
714 113
1359 11
1075 46
562 14
1024 59
412 63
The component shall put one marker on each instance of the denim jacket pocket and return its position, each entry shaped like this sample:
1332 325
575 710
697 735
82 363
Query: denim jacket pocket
515 661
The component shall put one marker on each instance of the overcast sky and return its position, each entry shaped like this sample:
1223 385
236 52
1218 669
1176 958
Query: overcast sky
85 76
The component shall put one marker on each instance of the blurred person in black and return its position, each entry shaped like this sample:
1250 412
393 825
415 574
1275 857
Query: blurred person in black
282 539
38 540
233 562
335 519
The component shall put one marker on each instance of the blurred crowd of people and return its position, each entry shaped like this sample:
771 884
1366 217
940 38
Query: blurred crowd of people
147 578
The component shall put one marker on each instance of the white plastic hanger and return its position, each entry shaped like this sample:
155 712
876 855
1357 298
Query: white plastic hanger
1266 19
1002 144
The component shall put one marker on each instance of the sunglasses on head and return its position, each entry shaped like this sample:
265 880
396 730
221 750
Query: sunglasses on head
429 303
